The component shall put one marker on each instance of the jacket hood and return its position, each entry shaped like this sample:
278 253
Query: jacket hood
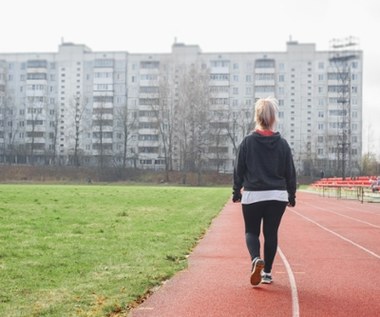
268 141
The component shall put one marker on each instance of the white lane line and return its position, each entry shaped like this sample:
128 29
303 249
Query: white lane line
338 235
373 211
293 285
345 216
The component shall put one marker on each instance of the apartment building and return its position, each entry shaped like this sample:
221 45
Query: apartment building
81 107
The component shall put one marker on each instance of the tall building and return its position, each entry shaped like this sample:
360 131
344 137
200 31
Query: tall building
181 110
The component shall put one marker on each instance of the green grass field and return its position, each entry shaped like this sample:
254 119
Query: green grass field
93 250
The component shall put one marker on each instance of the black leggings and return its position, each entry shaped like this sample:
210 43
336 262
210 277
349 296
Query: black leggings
270 212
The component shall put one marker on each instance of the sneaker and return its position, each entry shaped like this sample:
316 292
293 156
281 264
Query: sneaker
266 278
257 266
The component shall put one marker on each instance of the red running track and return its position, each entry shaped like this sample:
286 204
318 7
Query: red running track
328 264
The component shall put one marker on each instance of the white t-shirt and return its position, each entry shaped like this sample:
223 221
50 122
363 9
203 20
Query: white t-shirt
250 197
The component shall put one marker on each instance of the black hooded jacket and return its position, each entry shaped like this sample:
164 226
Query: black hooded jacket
264 163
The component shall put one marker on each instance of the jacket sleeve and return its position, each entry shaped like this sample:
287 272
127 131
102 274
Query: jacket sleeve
290 174
239 167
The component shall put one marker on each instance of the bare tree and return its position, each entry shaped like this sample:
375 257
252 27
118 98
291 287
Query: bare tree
369 164
126 120
102 127
163 110
8 129
9 124
218 149
54 135
79 106
35 111
193 114
240 124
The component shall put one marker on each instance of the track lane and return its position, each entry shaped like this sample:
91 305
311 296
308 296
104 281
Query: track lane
358 227
334 277
217 280
331 276
370 219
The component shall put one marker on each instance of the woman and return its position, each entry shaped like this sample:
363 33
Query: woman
264 168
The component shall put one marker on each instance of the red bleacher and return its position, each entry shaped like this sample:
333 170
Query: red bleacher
359 181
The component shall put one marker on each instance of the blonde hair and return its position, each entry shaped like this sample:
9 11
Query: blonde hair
266 110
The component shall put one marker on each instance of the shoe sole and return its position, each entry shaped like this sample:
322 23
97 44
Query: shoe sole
256 273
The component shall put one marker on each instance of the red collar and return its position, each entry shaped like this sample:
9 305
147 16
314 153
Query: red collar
264 132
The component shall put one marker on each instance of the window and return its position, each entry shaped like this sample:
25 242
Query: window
103 63
220 63
264 76
148 149
149 64
37 64
265 88
37 76
148 113
149 77
103 87
220 77
102 75
264 63
219 101
148 137
149 89
103 99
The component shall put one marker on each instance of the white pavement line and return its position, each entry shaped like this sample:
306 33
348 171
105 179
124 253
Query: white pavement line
345 216
338 235
293 285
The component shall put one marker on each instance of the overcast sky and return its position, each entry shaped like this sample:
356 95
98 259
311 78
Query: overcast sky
139 26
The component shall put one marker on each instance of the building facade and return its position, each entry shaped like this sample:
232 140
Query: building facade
182 110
